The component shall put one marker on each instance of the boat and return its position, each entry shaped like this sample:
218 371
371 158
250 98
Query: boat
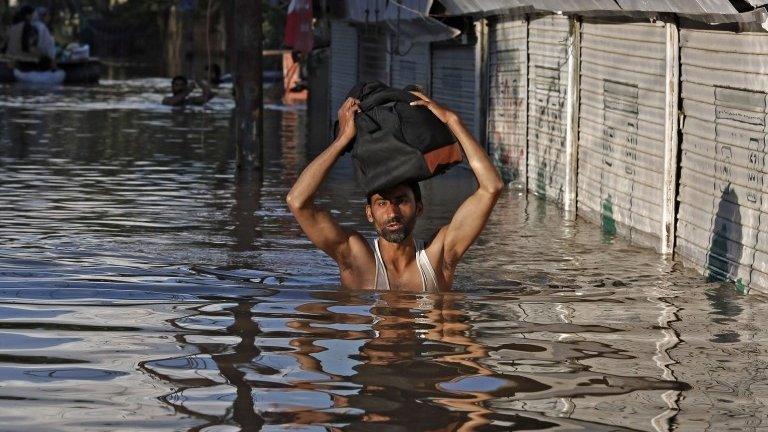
81 71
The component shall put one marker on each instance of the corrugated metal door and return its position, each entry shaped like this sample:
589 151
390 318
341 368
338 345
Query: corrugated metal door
343 63
621 128
723 213
507 84
547 87
373 52
410 65
455 82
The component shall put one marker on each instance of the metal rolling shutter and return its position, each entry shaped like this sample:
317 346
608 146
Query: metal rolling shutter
621 128
411 66
343 63
507 83
723 215
454 82
547 87
373 52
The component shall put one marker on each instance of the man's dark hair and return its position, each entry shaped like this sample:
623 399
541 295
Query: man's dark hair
181 78
413 185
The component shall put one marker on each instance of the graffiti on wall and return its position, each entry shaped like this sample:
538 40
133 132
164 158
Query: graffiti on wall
505 141
547 128
619 143
740 120
620 115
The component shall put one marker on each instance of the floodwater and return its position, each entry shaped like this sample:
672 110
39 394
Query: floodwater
145 287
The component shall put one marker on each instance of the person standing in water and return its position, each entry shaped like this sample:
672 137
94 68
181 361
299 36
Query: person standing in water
395 261
181 90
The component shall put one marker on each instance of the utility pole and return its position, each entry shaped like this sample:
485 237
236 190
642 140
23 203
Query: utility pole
245 57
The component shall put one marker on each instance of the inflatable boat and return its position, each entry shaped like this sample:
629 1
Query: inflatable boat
85 71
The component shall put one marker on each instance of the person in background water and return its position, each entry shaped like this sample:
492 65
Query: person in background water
396 261
182 89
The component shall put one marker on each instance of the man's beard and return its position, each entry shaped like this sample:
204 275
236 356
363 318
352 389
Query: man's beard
397 235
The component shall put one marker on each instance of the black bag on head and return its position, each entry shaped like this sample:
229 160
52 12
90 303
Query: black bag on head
397 142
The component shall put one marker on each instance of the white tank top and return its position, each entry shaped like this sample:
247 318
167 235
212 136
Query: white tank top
427 272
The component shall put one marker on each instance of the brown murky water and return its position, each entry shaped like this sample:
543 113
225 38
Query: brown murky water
143 286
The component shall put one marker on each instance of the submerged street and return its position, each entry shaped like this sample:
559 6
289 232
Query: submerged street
146 286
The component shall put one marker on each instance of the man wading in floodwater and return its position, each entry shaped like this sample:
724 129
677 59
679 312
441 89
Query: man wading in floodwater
395 261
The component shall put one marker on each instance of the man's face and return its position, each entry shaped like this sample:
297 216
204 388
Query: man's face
178 86
393 213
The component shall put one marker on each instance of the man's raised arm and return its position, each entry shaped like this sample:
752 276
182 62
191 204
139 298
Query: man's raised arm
471 217
317 224
178 99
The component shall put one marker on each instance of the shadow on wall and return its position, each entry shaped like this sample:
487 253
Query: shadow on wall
726 247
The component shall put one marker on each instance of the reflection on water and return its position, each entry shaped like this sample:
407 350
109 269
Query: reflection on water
144 286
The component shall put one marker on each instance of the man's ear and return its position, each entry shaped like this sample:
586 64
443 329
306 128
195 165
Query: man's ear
419 208
368 213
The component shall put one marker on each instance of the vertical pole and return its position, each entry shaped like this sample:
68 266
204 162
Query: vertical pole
671 144
572 118
188 40
247 58
483 84
527 93
173 42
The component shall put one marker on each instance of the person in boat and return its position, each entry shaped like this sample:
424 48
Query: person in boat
46 45
181 90
19 31
395 261
29 36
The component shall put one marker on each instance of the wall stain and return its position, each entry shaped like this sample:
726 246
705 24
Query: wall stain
608 223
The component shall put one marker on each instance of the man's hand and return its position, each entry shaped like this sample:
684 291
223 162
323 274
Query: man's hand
346 114
444 114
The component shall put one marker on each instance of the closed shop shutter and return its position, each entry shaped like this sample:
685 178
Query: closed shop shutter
343 63
373 52
621 128
547 87
723 214
507 107
411 65
454 82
